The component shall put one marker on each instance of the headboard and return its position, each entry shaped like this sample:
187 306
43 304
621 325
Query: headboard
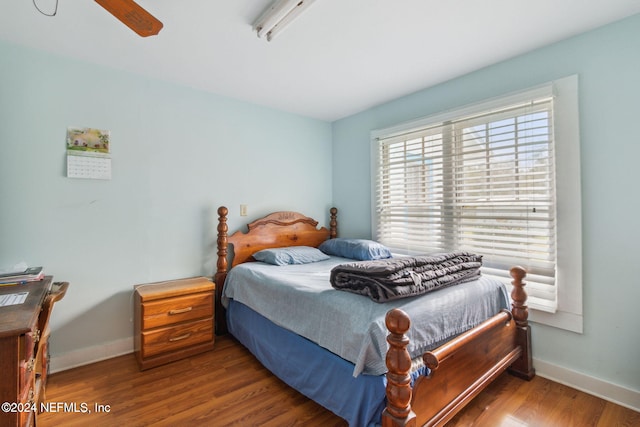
276 230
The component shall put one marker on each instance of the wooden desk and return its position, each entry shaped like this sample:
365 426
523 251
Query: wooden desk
24 333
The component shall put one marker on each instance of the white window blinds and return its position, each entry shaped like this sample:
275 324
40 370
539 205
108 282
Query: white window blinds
482 180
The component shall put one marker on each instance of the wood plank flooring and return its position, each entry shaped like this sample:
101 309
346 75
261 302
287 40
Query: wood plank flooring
229 387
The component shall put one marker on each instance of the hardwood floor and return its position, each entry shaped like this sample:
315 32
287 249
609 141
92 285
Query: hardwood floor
229 387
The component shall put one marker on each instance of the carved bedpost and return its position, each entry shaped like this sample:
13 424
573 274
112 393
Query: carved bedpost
398 412
221 272
333 223
523 367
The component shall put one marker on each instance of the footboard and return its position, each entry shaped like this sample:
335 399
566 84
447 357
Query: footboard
460 369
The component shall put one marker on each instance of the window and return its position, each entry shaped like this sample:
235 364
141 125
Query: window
491 178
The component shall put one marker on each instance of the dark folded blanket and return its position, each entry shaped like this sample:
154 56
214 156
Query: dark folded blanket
389 279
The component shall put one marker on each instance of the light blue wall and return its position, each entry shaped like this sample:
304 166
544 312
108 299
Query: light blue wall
177 155
607 61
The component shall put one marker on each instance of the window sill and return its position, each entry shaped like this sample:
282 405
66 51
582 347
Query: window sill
560 319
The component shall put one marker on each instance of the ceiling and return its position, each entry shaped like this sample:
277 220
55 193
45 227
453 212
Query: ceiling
338 58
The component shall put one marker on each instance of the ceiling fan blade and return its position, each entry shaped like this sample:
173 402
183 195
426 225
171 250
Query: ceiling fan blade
133 16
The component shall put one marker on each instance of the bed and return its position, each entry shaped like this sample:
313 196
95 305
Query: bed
417 384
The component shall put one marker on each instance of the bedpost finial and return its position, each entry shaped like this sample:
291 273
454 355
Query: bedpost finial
519 296
397 321
333 223
518 273
223 211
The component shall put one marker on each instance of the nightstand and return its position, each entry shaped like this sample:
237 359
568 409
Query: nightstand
172 320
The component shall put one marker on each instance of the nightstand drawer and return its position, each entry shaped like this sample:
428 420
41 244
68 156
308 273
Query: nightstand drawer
175 310
176 337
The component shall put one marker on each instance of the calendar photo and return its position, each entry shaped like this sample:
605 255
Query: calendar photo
88 139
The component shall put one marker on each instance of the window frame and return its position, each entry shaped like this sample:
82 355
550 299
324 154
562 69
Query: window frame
568 314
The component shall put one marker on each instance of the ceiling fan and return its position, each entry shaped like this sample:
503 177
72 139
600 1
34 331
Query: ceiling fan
133 16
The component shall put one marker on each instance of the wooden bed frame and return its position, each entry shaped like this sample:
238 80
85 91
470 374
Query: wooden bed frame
460 369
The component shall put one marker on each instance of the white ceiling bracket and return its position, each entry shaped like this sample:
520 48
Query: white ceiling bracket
278 16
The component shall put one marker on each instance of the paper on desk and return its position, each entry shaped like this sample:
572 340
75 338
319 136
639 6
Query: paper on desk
13 299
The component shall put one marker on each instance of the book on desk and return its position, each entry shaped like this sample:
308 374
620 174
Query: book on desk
30 274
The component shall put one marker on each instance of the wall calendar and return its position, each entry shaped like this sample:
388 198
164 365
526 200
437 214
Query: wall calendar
88 153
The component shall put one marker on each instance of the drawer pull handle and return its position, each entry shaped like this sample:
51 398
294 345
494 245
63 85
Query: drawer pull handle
36 336
180 310
179 338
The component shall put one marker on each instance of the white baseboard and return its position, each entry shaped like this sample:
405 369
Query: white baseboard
85 356
608 391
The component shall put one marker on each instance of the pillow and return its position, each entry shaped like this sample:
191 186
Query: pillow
360 249
290 255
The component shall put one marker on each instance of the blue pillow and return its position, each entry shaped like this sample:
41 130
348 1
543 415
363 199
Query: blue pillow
359 249
290 255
